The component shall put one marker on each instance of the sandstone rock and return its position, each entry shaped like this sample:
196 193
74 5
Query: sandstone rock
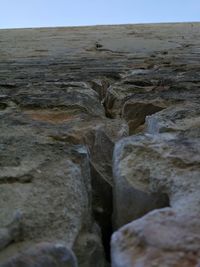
177 118
88 248
75 97
12 232
48 154
47 182
130 172
44 255
44 215
135 113
160 238
164 161
67 95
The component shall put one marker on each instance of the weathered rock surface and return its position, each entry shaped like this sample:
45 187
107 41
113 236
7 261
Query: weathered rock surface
44 255
160 167
68 98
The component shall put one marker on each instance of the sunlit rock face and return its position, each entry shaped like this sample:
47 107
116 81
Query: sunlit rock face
100 137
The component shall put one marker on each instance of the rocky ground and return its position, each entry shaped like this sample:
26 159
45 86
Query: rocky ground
100 141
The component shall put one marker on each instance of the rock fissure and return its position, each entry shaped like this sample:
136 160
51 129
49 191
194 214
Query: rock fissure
99 142
135 114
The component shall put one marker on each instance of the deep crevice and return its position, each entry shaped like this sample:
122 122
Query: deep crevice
106 232
102 205
135 115
11 180
3 106
100 86
141 83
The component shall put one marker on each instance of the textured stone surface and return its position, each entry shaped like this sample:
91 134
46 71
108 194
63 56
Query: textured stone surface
166 158
161 238
44 255
164 162
68 98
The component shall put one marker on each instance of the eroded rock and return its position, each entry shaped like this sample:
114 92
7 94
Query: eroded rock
67 95
164 162
44 255
161 238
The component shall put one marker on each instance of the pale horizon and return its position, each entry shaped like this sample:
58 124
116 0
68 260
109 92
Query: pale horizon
60 13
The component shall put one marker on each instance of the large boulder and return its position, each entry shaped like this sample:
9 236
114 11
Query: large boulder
160 238
45 183
56 163
153 170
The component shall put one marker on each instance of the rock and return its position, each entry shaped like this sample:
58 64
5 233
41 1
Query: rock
67 96
176 118
90 244
156 85
12 232
68 145
163 162
132 196
135 113
160 238
101 87
75 97
44 255
47 181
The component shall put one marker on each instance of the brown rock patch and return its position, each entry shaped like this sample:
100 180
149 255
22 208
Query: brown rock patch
50 116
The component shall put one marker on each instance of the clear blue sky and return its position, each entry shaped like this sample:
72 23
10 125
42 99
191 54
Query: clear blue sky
43 13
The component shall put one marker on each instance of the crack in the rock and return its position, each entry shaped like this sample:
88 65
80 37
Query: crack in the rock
11 180
104 214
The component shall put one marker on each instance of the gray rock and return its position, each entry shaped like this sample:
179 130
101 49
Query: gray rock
12 232
90 244
43 255
165 162
161 238
67 95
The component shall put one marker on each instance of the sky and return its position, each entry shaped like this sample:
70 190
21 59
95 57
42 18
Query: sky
52 13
